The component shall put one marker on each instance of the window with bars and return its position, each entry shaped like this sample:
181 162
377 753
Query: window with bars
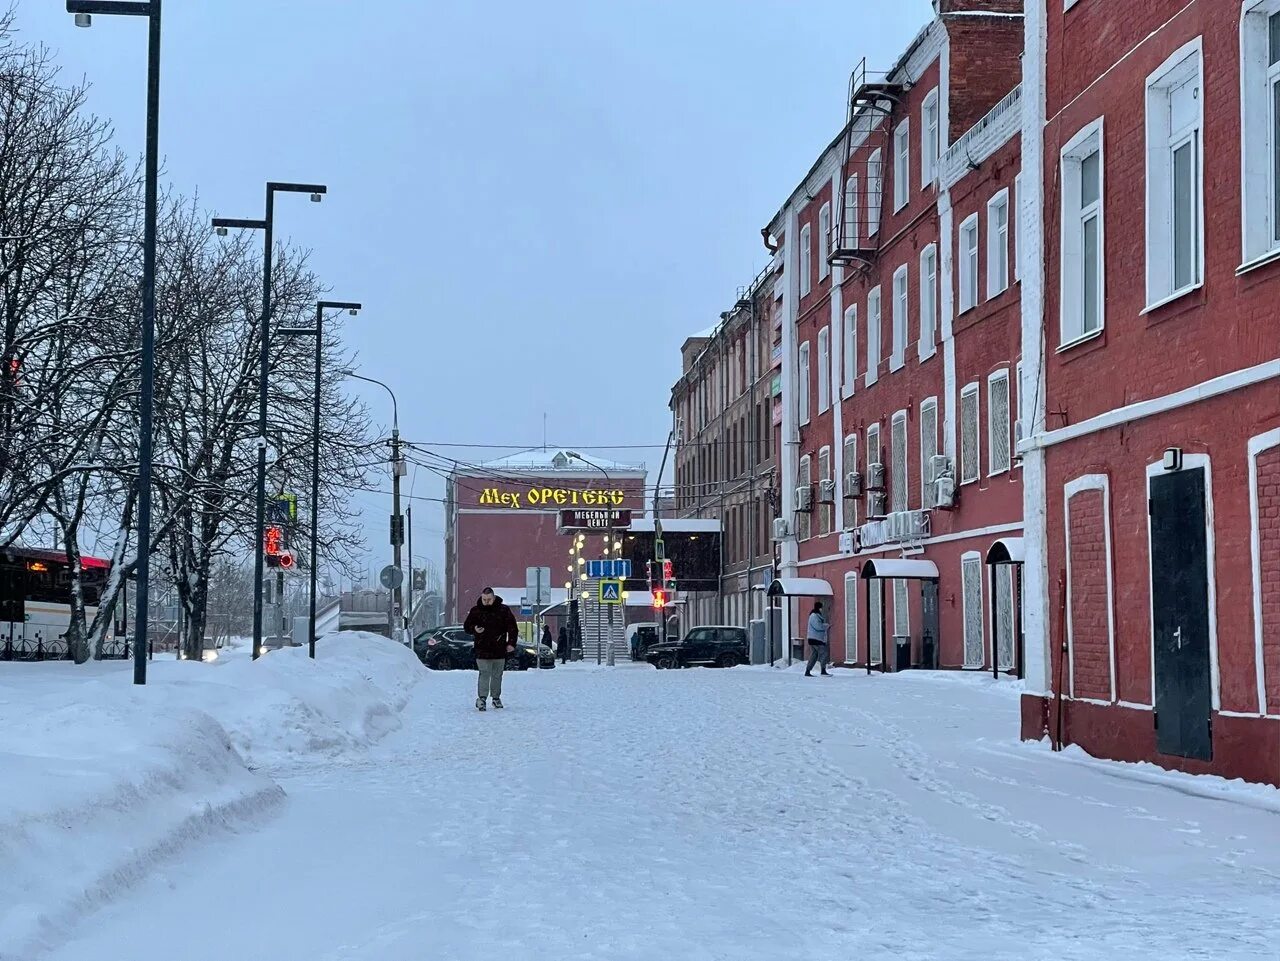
824 370
998 244
824 240
971 583
901 609
898 461
928 450
1004 617
928 301
824 503
875 611
851 617
970 469
998 426
898 351
873 336
850 505
804 479
968 264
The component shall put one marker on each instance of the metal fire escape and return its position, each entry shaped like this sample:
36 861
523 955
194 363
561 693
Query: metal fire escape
871 103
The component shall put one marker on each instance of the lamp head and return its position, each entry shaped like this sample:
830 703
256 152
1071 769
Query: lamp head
84 20
315 198
353 311
220 231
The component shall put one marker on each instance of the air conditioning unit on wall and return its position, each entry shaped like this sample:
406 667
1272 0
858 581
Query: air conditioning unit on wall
781 529
875 477
877 502
804 498
827 491
944 493
852 484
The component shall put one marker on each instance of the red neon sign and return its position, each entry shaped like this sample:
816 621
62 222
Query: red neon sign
273 541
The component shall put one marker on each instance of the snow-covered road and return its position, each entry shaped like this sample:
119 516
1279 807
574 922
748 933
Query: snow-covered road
744 814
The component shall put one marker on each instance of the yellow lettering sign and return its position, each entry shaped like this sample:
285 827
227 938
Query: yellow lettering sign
547 496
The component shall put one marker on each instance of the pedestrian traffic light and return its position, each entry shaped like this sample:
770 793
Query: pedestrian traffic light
659 599
273 545
667 570
285 560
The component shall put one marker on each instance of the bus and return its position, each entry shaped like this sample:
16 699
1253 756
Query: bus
35 602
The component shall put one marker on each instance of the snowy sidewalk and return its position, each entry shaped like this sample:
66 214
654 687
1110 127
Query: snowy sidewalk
700 814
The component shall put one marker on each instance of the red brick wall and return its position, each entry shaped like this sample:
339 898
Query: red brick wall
1269 545
985 64
1090 637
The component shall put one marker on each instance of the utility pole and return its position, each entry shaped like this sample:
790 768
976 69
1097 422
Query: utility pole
397 529
408 523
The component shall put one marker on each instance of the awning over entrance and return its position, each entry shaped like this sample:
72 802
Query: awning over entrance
800 587
900 569
1007 550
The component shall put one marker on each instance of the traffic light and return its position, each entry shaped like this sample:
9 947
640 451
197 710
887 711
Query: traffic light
285 560
659 599
667 570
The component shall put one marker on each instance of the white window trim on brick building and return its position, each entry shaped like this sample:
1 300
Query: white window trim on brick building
998 244
1260 137
1098 482
802 392
849 344
824 240
928 449
851 202
1013 225
1259 445
968 272
824 370
930 138
804 478
875 192
899 471
873 336
999 459
975 472
873 455
928 345
826 511
1170 142
850 617
901 164
971 573
1078 218
806 260
849 511
901 318
901 608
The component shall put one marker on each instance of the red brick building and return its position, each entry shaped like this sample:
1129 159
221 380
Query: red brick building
501 518
899 334
1152 459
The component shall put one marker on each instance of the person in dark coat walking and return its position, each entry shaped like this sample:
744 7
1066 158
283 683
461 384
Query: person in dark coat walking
562 646
494 628
547 642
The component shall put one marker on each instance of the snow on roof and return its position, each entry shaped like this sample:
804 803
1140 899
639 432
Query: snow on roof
551 459
709 332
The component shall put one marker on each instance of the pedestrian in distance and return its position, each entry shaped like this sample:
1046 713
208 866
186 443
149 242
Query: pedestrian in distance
547 642
562 646
494 628
819 653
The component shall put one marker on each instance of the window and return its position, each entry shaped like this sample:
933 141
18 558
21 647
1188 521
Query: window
849 344
804 479
970 470
971 581
899 351
1017 378
1014 220
1082 235
928 450
850 506
875 188
875 614
998 453
824 370
806 261
1175 187
901 609
802 395
873 457
825 498
928 301
851 213
1002 630
824 240
898 462
901 165
850 617
931 148
873 336
998 244
969 264
1260 128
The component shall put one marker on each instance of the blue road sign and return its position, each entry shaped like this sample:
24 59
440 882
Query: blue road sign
611 592
609 568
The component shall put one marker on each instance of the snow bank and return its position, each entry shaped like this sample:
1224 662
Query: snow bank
100 780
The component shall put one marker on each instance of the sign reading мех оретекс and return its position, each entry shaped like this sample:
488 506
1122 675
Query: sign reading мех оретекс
550 497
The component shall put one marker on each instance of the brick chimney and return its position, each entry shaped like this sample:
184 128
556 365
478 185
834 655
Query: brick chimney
986 54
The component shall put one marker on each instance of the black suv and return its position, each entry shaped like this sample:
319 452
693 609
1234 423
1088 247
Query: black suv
721 646
451 648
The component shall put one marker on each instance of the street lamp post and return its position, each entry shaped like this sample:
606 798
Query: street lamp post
609 481
266 225
397 520
318 332
84 11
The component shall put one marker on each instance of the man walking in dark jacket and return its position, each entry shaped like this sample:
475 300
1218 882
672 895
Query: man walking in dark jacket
494 628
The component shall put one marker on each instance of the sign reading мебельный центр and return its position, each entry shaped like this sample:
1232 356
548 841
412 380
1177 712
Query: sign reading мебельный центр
588 520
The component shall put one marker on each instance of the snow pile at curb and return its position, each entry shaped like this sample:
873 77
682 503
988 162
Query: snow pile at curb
101 780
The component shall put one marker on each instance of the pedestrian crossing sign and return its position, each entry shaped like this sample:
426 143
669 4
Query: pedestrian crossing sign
611 591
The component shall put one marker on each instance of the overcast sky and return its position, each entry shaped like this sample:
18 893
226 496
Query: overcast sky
536 203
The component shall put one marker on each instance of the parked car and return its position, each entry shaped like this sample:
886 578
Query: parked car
452 648
641 637
716 644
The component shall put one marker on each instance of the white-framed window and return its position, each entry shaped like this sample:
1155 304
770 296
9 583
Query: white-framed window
928 301
804 478
971 592
850 506
850 617
1260 128
931 146
875 191
1017 386
802 394
1083 267
825 506
898 462
969 263
1014 221
824 370
824 240
901 165
970 440
873 455
898 352
928 450
998 244
901 609
875 614
1175 183
873 336
806 260
851 212
849 345
999 458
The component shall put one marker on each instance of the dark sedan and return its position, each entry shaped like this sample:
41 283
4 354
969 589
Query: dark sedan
452 648
719 646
